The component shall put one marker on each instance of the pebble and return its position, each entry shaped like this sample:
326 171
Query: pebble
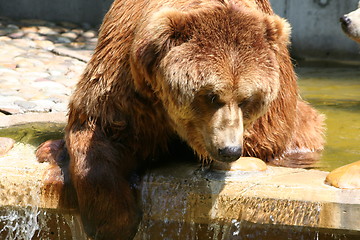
89 34
63 40
40 64
25 104
70 35
46 30
29 29
45 44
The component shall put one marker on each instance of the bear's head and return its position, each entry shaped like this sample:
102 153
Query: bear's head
350 24
215 71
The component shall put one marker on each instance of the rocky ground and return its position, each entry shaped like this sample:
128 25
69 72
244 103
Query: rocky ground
41 63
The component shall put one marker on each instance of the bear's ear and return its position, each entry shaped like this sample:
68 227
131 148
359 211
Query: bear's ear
278 31
166 29
170 26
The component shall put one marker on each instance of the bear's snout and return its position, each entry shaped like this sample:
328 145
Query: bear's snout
345 20
350 24
230 154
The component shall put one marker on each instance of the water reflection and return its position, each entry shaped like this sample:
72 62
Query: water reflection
335 91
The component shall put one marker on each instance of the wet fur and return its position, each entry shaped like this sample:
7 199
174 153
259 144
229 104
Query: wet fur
121 115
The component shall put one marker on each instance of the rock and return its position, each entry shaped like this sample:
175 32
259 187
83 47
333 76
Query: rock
60 107
12 27
55 73
347 177
23 63
51 87
243 164
5 70
8 99
32 75
63 40
59 29
70 35
27 62
46 31
5 39
42 106
41 61
90 34
77 45
16 35
9 65
78 31
6 144
44 44
29 93
34 36
93 40
25 104
23 43
15 48
29 29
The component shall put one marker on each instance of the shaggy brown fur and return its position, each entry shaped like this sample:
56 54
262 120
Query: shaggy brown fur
217 73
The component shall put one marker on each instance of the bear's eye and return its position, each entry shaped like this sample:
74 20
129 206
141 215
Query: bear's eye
214 100
243 103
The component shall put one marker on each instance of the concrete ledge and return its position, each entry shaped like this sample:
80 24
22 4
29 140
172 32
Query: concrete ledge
283 196
185 193
21 119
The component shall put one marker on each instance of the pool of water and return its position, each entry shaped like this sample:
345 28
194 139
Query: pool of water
335 92
34 133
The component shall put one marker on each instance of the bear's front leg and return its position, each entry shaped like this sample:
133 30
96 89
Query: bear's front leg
100 171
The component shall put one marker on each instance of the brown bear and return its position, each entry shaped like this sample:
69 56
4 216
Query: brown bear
350 24
215 73
348 176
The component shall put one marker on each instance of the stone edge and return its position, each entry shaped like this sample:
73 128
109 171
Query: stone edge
20 119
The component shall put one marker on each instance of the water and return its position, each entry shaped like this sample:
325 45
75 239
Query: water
335 91
243 230
19 223
34 133
32 223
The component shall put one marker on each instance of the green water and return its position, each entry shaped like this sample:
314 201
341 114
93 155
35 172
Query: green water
34 133
335 92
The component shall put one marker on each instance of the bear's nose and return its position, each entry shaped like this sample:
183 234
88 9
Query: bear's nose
345 20
230 154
